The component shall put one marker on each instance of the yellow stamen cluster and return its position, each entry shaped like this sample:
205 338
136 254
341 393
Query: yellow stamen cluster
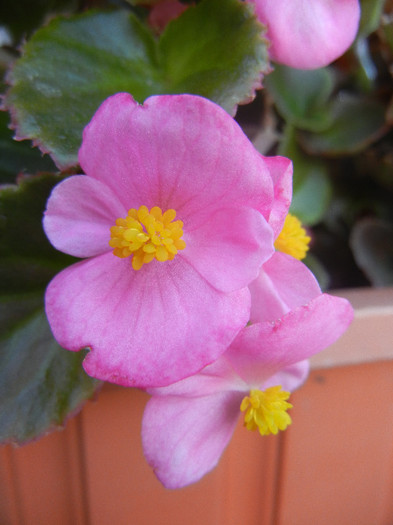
147 235
267 410
293 238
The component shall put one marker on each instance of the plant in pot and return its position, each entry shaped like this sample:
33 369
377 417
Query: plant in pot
157 244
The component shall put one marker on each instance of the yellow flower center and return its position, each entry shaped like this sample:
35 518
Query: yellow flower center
266 410
147 235
293 238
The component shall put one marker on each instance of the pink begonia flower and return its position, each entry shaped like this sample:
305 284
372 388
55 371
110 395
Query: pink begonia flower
153 323
283 280
308 34
186 426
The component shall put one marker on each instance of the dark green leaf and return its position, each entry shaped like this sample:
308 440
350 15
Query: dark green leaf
27 259
311 184
70 66
372 245
40 383
18 157
371 16
357 122
302 96
214 50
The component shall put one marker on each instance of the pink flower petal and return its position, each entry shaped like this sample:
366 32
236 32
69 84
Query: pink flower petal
183 438
290 378
176 151
263 349
229 248
145 328
79 213
308 34
281 170
217 377
284 283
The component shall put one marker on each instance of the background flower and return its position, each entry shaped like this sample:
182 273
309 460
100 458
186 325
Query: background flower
308 34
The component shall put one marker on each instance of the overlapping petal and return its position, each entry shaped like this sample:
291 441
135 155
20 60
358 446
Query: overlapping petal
283 283
183 151
79 214
224 251
308 34
142 329
186 426
263 349
281 171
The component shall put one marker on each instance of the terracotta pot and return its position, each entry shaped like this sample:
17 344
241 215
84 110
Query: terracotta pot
334 465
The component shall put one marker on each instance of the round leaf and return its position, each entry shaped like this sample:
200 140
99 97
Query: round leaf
27 259
356 123
40 383
302 96
372 245
70 66
311 185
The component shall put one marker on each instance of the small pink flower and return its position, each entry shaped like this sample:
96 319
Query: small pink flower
308 34
184 200
186 426
283 282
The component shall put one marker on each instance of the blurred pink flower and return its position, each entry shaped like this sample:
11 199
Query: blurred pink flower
167 297
308 34
163 12
186 426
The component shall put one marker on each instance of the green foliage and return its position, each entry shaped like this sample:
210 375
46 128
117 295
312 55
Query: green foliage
40 383
311 184
18 157
372 245
302 97
371 16
71 65
356 123
27 260
67 69
335 126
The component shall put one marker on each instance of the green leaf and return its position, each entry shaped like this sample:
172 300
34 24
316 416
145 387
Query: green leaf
69 67
18 157
372 11
40 383
372 246
27 259
311 185
302 96
215 50
356 123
